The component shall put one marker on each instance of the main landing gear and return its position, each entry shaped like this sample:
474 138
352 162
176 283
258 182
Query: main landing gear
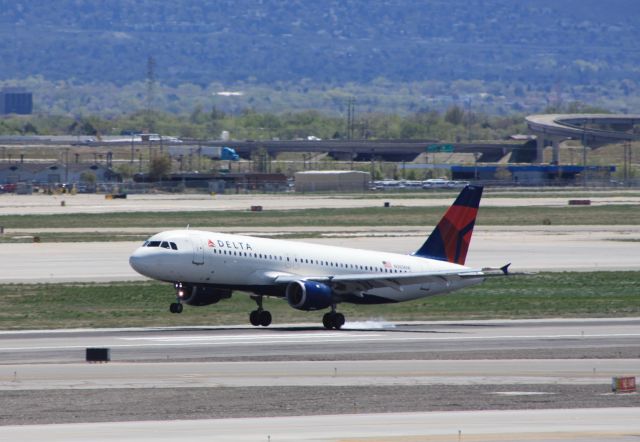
260 316
176 307
333 319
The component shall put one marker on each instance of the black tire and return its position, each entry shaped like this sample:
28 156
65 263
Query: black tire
179 307
327 321
172 307
265 318
254 318
338 321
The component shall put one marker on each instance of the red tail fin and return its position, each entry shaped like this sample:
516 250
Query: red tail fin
450 240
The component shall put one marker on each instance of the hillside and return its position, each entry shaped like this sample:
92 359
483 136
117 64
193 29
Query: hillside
528 45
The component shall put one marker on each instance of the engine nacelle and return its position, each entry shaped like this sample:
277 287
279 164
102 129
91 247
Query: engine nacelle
309 295
199 295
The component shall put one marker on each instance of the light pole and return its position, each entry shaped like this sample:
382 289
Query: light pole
132 153
584 157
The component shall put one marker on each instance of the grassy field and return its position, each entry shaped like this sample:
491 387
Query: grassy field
545 295
393 216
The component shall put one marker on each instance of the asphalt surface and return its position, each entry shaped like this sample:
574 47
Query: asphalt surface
614 424
94 203
370 340
241 383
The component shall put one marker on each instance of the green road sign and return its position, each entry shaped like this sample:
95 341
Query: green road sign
440 148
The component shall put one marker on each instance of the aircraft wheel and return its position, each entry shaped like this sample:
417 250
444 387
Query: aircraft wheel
338 321
179 307
327 321
254 318
333 320
173 307
265 318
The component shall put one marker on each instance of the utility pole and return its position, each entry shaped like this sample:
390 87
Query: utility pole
132 151
351 113
584 157
151 79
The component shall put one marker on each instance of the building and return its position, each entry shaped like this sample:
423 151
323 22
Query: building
56 173
532 175
16 101
332 181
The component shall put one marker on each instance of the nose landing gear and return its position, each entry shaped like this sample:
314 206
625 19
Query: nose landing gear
260 316
176 307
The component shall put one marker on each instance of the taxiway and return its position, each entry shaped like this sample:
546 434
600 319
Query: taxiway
552 248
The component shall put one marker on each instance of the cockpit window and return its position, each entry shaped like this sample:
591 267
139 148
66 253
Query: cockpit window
163 244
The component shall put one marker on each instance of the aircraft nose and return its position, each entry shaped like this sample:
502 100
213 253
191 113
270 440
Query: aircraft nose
137 262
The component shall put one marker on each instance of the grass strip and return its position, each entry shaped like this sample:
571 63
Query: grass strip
545 295
418 216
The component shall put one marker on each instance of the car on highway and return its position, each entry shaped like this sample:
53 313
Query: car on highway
441 183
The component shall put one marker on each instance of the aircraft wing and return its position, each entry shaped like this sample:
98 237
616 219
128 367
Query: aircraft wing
358 282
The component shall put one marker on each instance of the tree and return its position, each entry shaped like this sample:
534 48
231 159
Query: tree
126 171
454 115
88 178
159 167
29 128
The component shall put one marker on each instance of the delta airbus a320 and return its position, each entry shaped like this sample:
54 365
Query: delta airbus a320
206 267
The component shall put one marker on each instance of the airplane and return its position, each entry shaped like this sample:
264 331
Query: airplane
207 267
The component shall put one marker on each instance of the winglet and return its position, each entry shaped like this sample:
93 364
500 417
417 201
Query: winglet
450 240
505 269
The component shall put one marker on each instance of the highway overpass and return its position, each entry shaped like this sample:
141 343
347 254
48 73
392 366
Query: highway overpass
594 130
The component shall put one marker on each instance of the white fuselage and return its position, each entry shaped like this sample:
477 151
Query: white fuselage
252 263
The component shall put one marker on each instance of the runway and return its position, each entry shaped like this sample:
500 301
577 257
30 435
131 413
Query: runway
552 248
251 380
517 339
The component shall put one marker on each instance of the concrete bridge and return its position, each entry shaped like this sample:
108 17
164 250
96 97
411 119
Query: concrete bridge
594 130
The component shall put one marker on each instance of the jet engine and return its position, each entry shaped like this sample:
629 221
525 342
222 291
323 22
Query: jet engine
199 295
309 295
